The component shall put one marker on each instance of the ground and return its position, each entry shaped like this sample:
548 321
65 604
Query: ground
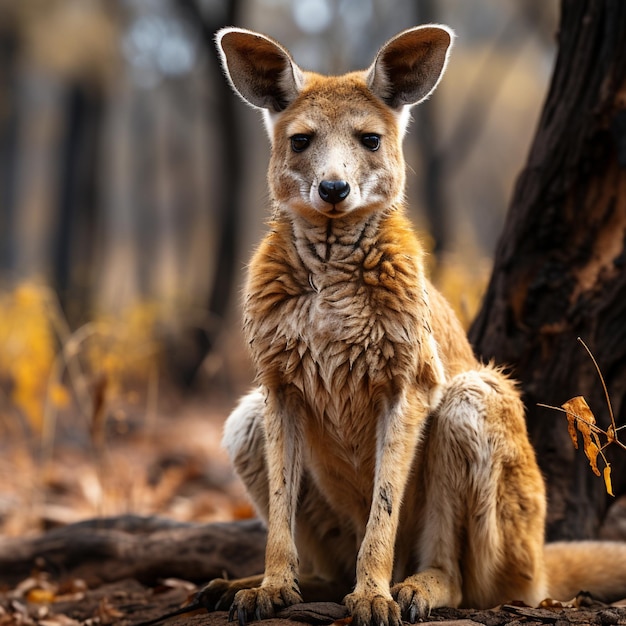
164 515
130 603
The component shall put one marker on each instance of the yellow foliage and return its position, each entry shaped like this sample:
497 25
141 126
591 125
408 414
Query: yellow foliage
27 348
59 396
123 347
36 349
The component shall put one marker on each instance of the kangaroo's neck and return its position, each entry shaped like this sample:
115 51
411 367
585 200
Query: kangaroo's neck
344 242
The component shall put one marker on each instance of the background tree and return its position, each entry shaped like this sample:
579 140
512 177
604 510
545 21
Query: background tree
440 159
559 267
78 198
9 112
228 206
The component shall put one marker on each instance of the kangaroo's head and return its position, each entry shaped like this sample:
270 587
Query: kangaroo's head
336 140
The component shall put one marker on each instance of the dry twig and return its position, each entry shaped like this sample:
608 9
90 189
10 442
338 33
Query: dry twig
580 419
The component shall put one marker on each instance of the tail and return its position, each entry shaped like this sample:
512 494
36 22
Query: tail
598 567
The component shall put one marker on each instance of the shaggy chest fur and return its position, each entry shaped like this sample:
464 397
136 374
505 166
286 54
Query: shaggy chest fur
334 312
327 303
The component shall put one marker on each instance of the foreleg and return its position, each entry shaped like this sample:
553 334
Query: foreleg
371 601
283 453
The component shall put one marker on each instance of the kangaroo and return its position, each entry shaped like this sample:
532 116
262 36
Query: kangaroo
393 469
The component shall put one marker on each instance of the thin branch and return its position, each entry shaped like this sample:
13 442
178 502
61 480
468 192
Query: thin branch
606 392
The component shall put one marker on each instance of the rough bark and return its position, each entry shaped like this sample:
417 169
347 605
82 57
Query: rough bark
559 267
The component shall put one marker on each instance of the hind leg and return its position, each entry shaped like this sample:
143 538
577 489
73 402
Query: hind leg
325 545
244 440
483 503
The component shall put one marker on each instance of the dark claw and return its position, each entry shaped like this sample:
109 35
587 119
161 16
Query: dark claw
257 614
413 614
231 613
241 616
202 598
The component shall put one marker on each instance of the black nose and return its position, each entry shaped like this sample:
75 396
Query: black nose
334 191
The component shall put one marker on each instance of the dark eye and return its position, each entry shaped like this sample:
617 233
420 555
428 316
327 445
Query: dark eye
299 143
371 141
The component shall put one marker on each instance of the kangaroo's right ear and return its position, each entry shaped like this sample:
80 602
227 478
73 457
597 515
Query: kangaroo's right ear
260 70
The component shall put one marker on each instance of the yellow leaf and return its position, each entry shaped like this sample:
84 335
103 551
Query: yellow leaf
592 450
610 434
579 416
579 408
607 480
575 409
40 596
571 429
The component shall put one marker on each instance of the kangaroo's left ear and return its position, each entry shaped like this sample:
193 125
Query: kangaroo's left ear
408 67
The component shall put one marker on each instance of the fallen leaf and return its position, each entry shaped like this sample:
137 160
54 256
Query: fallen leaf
26 586
179 583
58 620
107 613
40 596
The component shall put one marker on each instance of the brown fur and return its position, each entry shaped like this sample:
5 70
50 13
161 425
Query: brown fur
389 464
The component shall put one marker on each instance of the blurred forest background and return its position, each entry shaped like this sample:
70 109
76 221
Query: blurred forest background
132 190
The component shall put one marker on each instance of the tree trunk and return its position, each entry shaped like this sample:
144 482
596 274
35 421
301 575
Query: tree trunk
9 124
78 202
559 268
227 201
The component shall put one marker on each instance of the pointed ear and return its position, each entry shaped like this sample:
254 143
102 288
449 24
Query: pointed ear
260 70
409 66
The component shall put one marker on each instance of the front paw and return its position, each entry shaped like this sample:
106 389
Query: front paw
373 610
262 602
413 600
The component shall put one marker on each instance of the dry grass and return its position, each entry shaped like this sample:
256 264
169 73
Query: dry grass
88 427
